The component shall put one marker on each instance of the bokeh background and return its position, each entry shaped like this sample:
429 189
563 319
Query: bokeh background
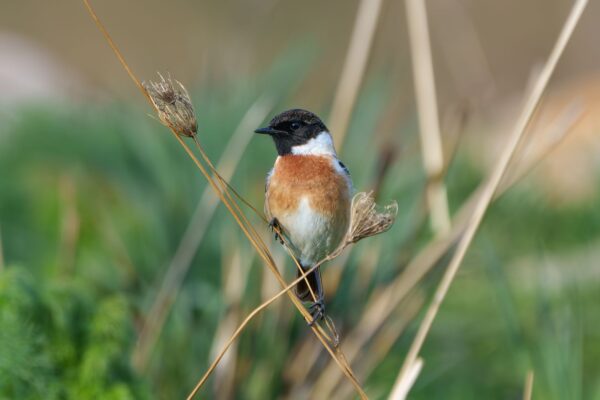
96 199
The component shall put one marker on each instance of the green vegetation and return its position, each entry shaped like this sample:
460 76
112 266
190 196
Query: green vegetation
94 200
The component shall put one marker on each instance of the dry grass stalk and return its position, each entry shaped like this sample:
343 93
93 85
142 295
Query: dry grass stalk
235 271
173 105
429 128
261 247
367 358
492 183
225 186
535 151
405 383
528 390
384 301
264 253
241 327
353 71
301 363
366 221
194 234
239 217
354 68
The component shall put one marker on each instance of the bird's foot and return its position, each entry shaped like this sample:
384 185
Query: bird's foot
275 227
317 311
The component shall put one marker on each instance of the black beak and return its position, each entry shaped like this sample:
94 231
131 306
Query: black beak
266 130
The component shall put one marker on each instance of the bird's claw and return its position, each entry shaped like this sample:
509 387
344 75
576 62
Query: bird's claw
276 228
317 311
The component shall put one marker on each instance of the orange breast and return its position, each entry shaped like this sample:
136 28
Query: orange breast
313 177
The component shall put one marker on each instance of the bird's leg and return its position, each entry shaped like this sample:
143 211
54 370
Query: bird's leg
317 310
275 227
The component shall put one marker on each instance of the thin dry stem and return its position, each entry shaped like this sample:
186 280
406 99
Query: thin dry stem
226 185
241 327
115 49
405 383
365 222
240 219
383 302
264 253
354 68
235 270
194 234
429 128
528 390
535 151
328 387
493 182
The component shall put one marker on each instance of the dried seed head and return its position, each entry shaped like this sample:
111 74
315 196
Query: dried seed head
367 219
173 105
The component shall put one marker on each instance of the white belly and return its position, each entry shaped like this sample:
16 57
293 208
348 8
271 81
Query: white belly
313 235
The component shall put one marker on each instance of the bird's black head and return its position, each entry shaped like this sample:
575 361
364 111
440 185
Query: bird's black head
293 128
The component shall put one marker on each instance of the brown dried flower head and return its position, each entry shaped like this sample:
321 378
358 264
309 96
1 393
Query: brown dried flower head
368 219
173 105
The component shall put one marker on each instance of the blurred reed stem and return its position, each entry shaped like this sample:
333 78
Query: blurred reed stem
194 234
245 322
429 126
367 358
353 71
354 68
491 186
384 301
528 390
225 185
235 270
403 384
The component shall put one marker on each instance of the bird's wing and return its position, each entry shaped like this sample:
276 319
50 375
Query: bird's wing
344 168
346 172
267 182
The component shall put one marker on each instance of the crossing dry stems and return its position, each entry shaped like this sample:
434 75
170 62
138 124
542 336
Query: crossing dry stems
194 234
388 300
379 309
233 208
491 186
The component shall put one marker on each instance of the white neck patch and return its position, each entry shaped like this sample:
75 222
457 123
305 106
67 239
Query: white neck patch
322 144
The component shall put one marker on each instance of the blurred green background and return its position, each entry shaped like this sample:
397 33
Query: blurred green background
95 198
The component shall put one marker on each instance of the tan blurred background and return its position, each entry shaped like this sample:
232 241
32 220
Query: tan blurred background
485 52
200 41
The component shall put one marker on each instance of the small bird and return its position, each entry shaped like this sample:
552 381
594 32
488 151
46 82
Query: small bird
308 195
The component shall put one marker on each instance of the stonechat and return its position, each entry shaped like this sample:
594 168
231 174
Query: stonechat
308 195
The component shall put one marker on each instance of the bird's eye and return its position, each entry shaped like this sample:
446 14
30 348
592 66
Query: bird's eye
295 126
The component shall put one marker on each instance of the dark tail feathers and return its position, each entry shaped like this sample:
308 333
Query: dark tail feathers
314 279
